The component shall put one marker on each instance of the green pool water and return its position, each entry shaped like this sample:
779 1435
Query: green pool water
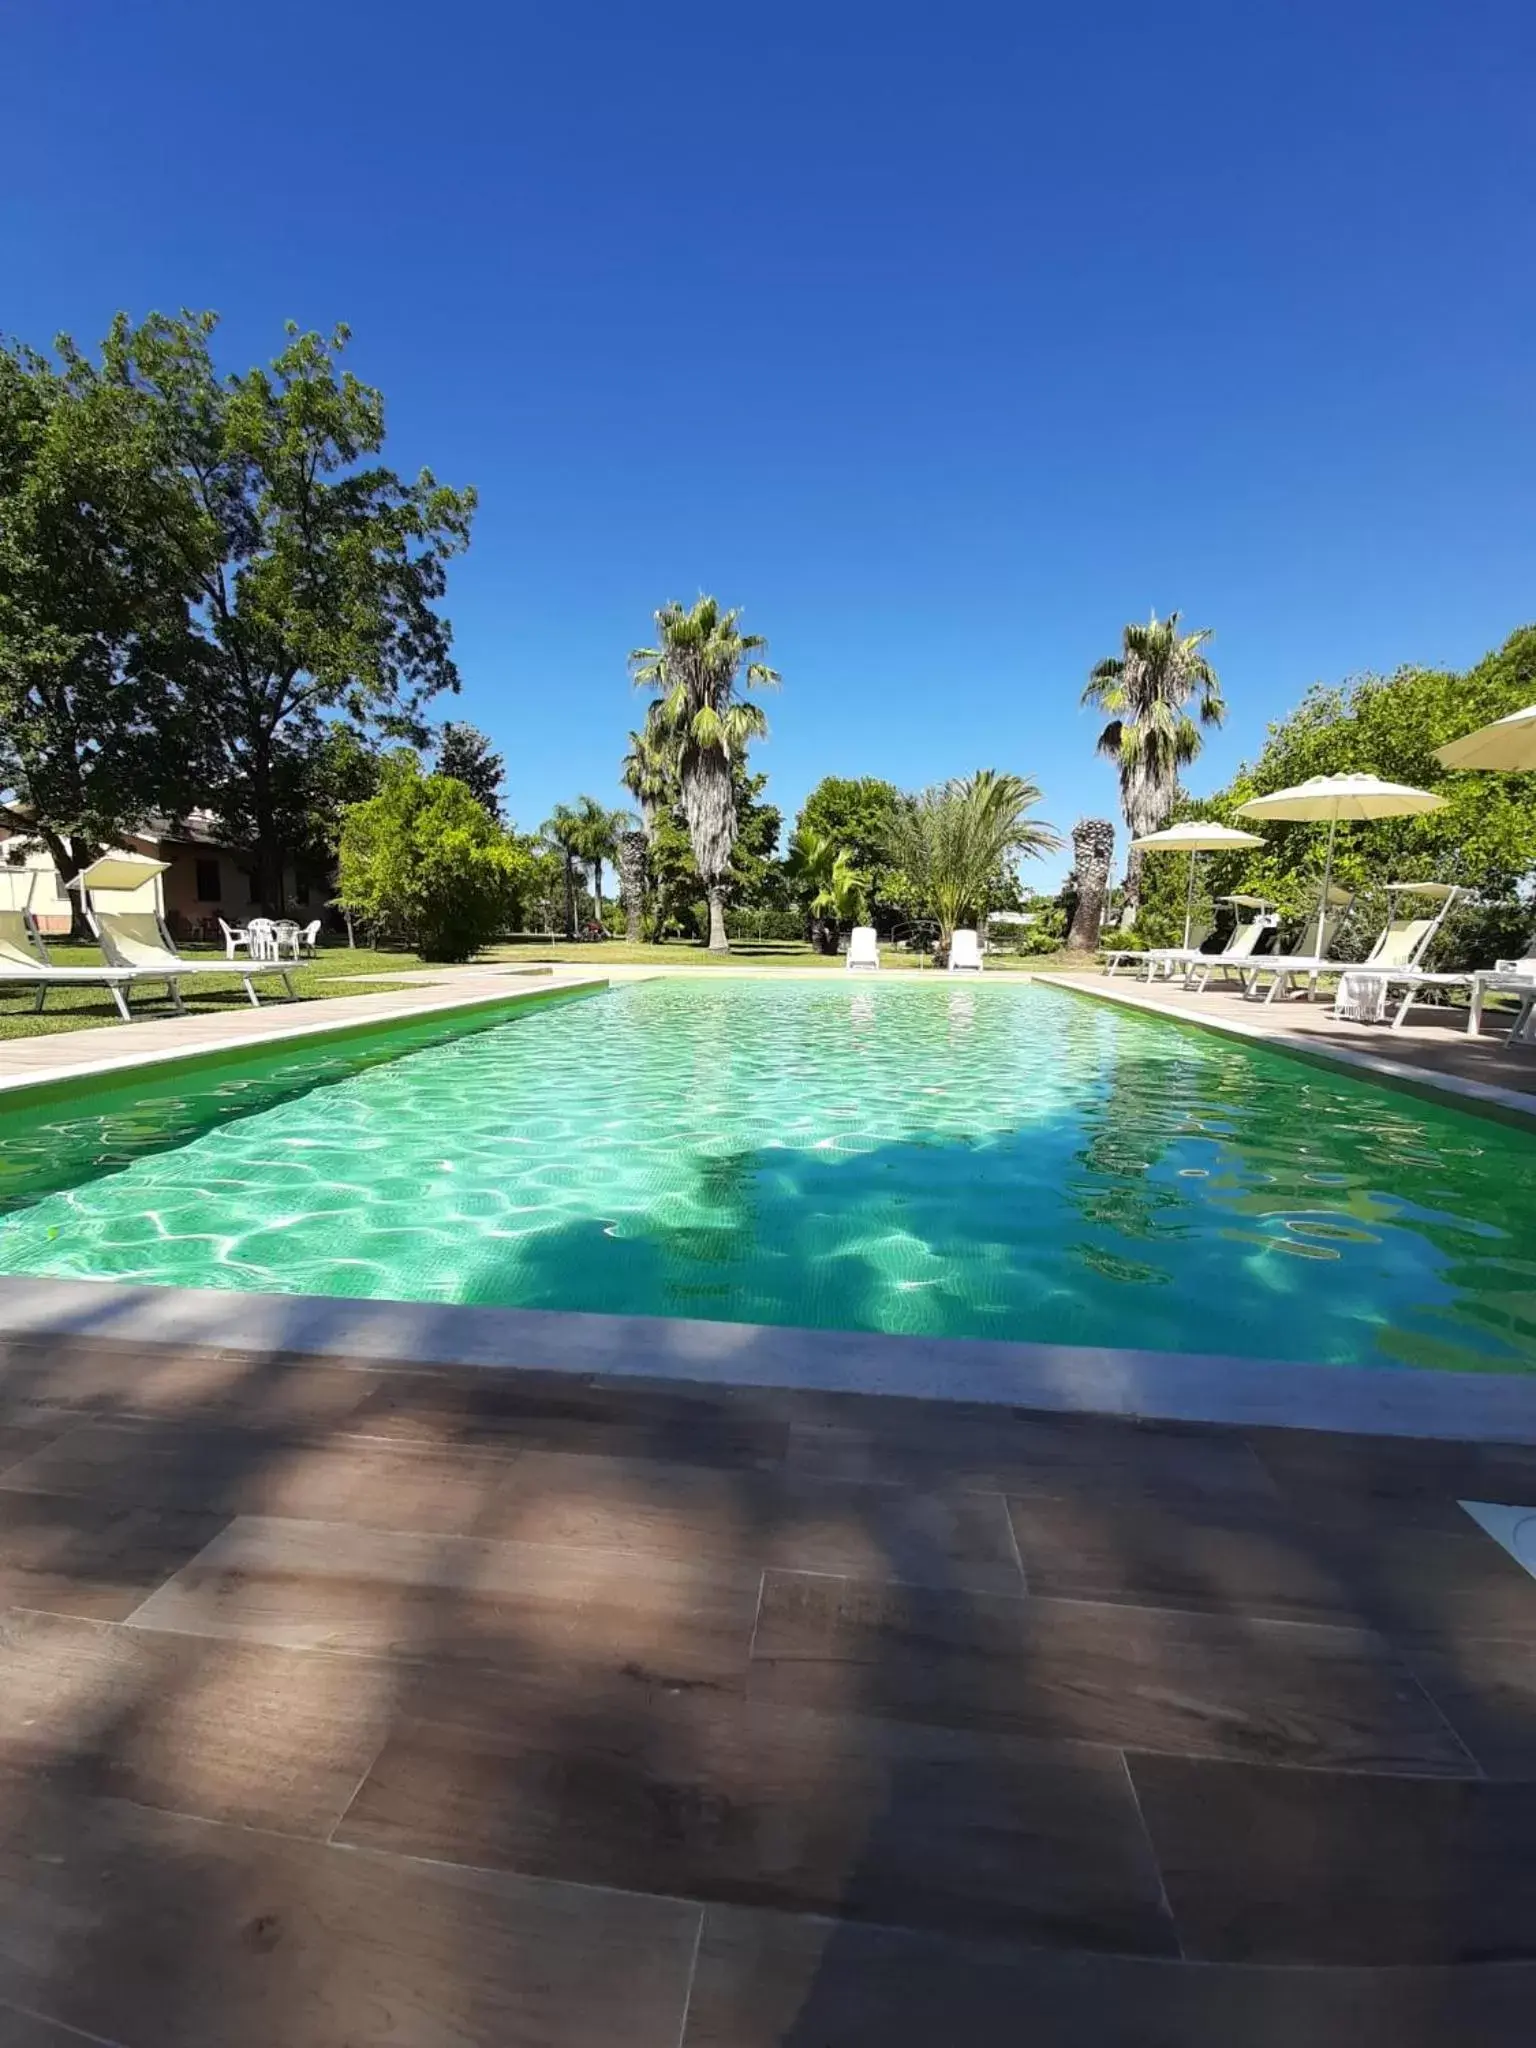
984 1161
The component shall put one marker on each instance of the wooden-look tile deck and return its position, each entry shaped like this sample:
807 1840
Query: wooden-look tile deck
507 1708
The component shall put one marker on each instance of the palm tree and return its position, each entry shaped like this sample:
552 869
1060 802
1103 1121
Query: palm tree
956 841
828 884
1150 736
649 772
563 829
595 840
697 669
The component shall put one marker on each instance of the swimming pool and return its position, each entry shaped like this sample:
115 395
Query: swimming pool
986 1161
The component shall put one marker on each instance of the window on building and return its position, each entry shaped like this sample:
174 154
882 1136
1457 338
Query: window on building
208 889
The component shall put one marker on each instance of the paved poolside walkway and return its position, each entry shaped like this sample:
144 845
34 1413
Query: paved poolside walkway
1432 1045
347 1705
65 1054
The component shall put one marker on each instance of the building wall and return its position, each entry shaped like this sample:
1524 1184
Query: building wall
201 884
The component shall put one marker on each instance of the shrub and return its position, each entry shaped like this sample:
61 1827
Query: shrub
423 861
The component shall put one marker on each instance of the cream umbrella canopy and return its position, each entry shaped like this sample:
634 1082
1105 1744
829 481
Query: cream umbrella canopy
1330 799
1195 836
1508 744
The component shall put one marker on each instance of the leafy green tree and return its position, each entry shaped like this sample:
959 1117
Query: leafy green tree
318 570
958 842
855 813
1147 688
422 861
98 660
827 884
464 752
698 669
1484 838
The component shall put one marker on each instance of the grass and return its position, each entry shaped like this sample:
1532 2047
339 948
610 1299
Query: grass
83 1009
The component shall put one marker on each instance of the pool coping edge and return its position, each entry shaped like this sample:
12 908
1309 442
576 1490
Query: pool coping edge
1061 1378
96 1071
1477 1098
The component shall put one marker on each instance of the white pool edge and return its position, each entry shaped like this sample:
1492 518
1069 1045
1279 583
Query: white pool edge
1403 1075
1062 1378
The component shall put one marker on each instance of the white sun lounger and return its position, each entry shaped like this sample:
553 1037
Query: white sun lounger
1307 965
1193 961
24 963
1364 992
863 950
964 952
136 940
1151 957
1238 955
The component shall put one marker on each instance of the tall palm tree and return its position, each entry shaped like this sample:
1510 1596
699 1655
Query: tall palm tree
1146 688
649 772
956 841
595 840
563 830
698 668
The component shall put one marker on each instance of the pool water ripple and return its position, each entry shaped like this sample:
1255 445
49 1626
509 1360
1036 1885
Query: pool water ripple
984 1161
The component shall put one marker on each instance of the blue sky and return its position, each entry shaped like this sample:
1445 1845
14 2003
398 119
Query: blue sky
943 340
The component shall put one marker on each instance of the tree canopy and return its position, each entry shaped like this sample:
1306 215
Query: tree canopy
464 752
99 677
855 813
1485 837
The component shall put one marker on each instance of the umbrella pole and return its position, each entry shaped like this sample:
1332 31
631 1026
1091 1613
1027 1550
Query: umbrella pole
1189 901
1322 908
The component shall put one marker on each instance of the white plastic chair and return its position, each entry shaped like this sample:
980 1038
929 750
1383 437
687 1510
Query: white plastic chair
285 938
863 950
261 935
234 936
309 938
964 952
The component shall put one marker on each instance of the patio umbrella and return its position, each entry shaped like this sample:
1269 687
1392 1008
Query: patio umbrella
1509 744
1356 799
1194 837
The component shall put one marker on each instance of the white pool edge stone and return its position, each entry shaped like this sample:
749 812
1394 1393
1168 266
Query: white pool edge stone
1062 1378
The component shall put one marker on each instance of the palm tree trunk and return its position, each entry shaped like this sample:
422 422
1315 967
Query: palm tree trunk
632 882
570 897
1130 901
718 942
1093 841
597 888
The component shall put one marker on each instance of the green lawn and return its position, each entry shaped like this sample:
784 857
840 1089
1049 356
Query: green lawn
82 1009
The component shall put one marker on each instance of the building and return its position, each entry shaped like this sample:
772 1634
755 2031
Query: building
205 879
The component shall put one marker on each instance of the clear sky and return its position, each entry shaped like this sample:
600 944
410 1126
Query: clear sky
941 338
